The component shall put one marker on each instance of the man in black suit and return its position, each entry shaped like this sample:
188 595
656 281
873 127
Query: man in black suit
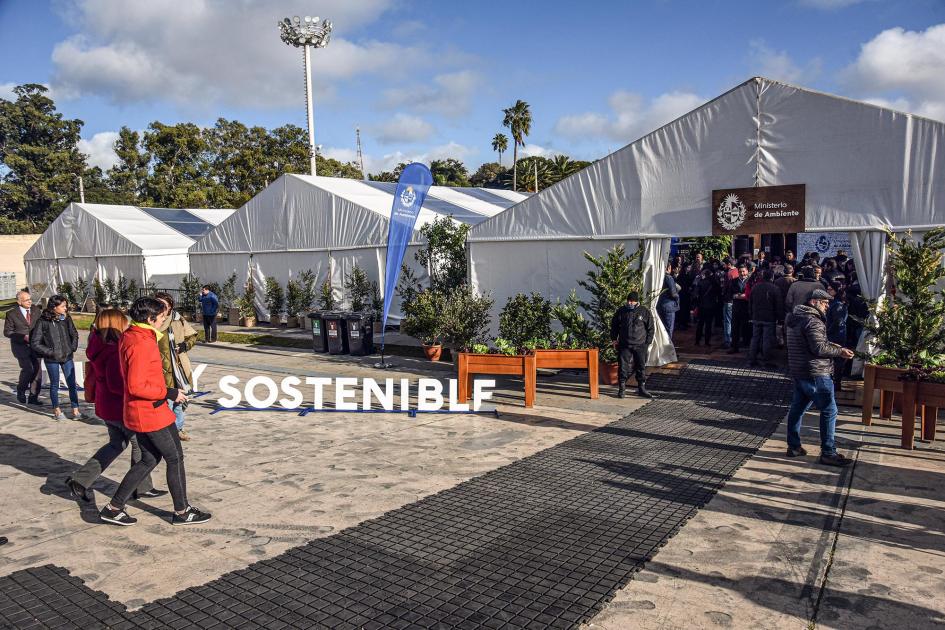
20 321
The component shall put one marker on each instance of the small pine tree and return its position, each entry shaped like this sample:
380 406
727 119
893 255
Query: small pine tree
326 296
614 276
909 324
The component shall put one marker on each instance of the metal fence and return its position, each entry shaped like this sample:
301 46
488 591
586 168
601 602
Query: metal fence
7 285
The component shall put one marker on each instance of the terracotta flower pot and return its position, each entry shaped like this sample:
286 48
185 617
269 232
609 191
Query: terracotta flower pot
433 352
609 373
249 322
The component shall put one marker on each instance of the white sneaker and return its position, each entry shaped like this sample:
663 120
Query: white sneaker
59 416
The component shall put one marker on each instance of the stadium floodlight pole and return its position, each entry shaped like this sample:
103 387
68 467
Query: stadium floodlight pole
306 33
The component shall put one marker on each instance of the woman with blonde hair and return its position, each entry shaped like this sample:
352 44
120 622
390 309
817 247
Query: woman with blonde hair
108 393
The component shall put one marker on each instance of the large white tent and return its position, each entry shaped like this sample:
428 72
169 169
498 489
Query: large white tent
866 168
101 241
328 225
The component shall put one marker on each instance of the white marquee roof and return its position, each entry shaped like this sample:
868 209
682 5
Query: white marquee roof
864 167
309 213
99 230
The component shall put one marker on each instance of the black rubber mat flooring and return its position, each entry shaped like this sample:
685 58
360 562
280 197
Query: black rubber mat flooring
541 543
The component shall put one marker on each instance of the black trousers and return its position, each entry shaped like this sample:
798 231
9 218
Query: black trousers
704 325
210 328
632 359
119 438
156 445
741 330
30 372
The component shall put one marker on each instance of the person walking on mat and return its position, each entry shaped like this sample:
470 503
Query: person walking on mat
147 414
17 327
55 339
108 390
631 331
810 364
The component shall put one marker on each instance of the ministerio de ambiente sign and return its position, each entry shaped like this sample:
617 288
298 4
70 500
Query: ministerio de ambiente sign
759 210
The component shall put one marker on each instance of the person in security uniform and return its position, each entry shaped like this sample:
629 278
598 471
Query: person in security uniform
631 330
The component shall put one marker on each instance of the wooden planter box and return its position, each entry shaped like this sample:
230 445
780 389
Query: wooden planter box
292 322
927 397
468 365
571 359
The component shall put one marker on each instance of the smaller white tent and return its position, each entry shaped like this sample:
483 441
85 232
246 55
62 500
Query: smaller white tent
328 225
102 241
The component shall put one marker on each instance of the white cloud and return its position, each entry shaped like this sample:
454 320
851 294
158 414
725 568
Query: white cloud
449 94
202 52
388 161
101 149
631 116
778 65
6 91
533 150
402 128
904 69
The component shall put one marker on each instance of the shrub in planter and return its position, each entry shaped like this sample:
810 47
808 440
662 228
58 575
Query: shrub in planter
294 296
908 326
465 318
189 294
246 304
525 318
421 317
326 296
101 295
358 288
275 300
614 276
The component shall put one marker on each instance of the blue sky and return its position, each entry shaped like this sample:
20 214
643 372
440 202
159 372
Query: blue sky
429 79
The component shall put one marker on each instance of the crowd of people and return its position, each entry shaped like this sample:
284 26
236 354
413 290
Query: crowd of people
747 300
139 378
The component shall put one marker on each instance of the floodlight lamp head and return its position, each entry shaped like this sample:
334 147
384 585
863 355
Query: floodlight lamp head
296 32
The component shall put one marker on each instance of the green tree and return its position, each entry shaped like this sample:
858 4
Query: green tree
330 167
237 162
180 176
128 177
615 274
518 118
449 172
389 176
712 247
490 175
444 253
39 158
500 144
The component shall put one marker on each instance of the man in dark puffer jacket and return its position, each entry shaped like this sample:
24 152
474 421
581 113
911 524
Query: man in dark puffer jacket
810 364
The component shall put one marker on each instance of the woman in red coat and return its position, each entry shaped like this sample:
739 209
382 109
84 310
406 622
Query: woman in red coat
108 389
147 414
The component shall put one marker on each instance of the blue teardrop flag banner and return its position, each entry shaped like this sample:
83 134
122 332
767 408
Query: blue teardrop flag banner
415 181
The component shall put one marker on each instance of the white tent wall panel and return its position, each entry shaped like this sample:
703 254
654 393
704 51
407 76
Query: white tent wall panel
167 270
550 267
283 266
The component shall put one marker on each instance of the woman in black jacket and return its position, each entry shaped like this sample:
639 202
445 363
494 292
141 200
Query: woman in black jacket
55 339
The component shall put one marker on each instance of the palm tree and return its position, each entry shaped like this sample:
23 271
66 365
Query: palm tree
562 167
500 143
518 118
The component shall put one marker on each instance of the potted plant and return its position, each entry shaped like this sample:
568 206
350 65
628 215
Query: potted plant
189 292
307 282
422 320
246 304
358 288
275 301
908 329
326 296
227 298
293 297
614 276
377 308
101 295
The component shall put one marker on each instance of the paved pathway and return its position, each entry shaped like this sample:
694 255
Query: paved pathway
543 542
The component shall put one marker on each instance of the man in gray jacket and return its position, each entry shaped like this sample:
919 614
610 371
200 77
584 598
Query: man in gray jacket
810 364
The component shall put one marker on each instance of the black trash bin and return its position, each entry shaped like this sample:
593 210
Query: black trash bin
319 334
360 327
335 329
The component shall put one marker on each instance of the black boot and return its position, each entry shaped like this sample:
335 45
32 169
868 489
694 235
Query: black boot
34 400
21 397
622 391
641 391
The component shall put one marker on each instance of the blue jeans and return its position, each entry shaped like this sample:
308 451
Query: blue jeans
178 414
727 322
68 369
819 392
669 321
